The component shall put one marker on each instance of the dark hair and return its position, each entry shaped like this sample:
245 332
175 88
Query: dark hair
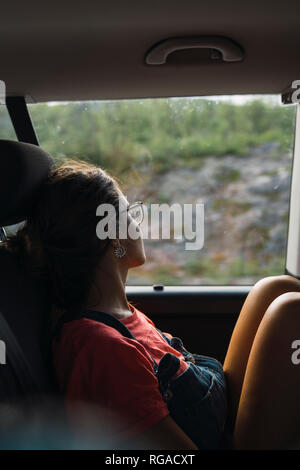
58 241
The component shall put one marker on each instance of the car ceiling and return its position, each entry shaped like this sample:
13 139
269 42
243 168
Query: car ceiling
68 50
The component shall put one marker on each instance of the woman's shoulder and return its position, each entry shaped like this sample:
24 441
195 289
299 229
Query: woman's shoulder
89 337
85 331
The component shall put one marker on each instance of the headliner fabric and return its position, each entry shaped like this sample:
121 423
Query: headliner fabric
73 51
23 169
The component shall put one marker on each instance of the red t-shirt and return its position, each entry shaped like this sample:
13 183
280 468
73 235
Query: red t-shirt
95 363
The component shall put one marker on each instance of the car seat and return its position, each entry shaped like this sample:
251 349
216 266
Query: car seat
26 378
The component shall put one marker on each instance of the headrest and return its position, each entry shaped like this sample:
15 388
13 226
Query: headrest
23 169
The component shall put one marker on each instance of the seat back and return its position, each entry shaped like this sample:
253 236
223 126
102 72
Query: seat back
23 300
24 306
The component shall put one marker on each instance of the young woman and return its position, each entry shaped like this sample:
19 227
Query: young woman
96 362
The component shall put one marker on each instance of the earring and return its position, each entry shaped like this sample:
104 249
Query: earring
119 252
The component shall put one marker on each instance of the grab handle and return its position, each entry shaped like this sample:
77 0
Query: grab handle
230 51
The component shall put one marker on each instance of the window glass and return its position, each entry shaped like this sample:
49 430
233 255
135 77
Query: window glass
6 127
231 155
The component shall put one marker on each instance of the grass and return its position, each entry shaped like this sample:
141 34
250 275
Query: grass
236 207
227 175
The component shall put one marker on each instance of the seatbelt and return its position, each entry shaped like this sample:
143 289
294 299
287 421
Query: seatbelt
15 357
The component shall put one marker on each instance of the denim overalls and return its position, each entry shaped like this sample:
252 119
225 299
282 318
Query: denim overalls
196 398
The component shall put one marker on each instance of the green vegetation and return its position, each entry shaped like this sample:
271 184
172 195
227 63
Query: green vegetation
200 266
235 207
223 273
211 272
165 274
138 139
227 175
158 134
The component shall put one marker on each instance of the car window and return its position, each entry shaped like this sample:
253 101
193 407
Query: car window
230 156
6 127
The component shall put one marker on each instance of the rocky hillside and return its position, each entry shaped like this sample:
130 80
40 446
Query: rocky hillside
246 204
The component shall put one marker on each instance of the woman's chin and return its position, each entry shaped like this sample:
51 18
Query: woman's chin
138 262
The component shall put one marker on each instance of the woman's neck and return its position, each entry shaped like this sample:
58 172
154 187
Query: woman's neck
117 309
108 295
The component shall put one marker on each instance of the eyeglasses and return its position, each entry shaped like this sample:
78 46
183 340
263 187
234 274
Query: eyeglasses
136 211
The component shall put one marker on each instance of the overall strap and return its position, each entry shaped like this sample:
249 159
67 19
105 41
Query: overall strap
108 320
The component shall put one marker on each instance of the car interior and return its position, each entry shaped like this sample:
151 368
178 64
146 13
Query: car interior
90 54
